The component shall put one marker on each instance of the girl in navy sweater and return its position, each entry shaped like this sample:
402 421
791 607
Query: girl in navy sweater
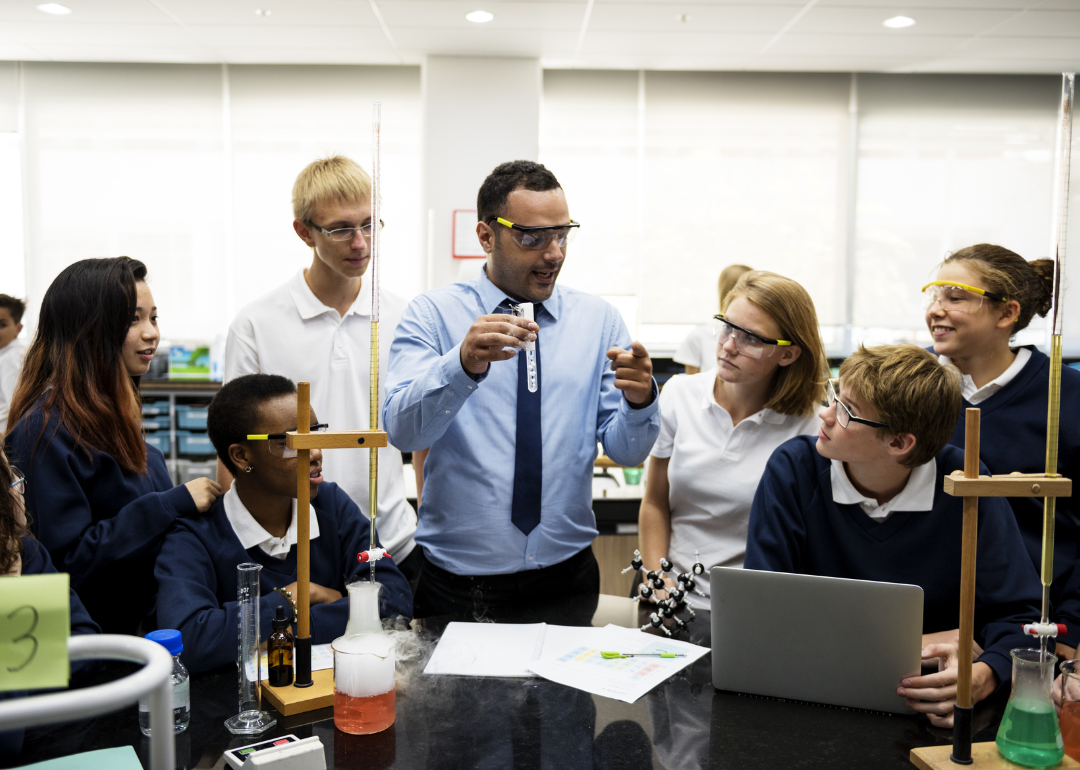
255 521
100 499
21 554
983 295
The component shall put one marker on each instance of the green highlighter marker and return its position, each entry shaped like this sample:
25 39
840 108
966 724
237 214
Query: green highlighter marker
610 655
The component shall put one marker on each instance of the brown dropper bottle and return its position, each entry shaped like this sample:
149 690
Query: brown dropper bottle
279 651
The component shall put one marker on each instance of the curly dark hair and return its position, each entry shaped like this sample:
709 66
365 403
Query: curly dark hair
504 179
235 410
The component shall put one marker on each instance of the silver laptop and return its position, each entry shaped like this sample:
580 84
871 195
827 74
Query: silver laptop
820 639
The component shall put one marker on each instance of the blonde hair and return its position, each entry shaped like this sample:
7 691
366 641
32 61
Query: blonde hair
911 393
800 386
336 178
730 276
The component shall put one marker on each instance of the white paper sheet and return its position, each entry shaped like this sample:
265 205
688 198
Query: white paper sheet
578 663
500 649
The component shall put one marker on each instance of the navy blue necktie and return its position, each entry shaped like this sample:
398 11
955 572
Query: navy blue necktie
528 448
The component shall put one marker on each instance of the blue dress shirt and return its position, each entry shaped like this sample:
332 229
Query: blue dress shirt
469 425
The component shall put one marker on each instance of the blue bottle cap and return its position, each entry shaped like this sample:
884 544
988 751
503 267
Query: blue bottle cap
169 638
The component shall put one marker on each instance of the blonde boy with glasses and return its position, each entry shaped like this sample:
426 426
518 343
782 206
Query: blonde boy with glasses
317 328
864 499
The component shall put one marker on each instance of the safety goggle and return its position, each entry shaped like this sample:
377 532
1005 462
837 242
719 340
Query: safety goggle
19 484
746 342
843 414
537 238
277 441
957 296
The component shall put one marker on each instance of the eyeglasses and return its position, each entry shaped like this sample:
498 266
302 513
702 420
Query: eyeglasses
746 342
537 238
19 484
843 414
957 296
345 233
277 441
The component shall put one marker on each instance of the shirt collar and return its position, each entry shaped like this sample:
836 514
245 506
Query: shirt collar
917 494
708 402
491 295
967 385
251 533
310 306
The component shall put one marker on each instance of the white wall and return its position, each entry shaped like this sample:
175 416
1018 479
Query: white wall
478 112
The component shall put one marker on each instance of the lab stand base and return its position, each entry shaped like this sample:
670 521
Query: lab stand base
986 756
291 700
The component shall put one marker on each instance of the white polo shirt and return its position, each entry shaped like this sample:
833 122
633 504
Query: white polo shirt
11 360
251 533
291 333
975 395
917 494
714 471
698 348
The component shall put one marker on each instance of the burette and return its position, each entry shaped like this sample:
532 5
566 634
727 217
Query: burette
373 386
1059 231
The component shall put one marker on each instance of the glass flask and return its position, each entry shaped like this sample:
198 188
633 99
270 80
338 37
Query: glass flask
1070 707
1029 733
364 696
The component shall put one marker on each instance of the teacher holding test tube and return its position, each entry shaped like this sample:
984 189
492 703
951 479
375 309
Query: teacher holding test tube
506 516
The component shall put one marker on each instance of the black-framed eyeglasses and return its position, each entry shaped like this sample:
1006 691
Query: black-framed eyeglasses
536 238
746 342
345 233
276 441
19 484
843 414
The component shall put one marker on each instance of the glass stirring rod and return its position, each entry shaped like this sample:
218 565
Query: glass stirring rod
525 310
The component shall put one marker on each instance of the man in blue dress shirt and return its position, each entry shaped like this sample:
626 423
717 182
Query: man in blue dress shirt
506 516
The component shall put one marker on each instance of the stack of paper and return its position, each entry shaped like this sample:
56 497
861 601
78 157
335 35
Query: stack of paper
569 655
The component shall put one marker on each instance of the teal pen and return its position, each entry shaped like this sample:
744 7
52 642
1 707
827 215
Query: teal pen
610 655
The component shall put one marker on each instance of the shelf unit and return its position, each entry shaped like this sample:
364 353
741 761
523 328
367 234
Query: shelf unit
161 399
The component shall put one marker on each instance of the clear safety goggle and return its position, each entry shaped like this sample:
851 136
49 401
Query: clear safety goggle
276 441
957 296
19 483
746 342
537 238
843 414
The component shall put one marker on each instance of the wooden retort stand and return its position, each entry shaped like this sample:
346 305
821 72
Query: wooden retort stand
310 691
969 485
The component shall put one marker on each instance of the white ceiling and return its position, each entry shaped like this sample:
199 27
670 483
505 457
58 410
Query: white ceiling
1015 36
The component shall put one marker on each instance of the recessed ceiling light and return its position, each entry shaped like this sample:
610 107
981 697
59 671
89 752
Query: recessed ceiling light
896 22
55 9
262 12
480 17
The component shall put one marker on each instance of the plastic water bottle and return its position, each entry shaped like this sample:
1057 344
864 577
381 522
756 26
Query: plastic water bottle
170 639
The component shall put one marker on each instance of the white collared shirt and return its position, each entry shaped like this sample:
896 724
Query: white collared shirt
11 360
290 332
251 532
714 471
975 395
917 494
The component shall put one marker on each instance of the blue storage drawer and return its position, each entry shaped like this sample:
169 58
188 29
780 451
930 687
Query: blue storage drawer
152 407
159 439
156 422
190 444
191 417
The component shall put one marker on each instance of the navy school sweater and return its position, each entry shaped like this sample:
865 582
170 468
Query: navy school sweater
796 527
196 573
103 525
36 561
1013 428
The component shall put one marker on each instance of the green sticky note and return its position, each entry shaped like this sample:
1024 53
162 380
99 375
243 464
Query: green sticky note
35 623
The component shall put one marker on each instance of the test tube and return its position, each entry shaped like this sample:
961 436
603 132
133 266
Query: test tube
525 310
250 719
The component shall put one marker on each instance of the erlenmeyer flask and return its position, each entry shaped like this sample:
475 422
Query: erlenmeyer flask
364 696
1029 733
